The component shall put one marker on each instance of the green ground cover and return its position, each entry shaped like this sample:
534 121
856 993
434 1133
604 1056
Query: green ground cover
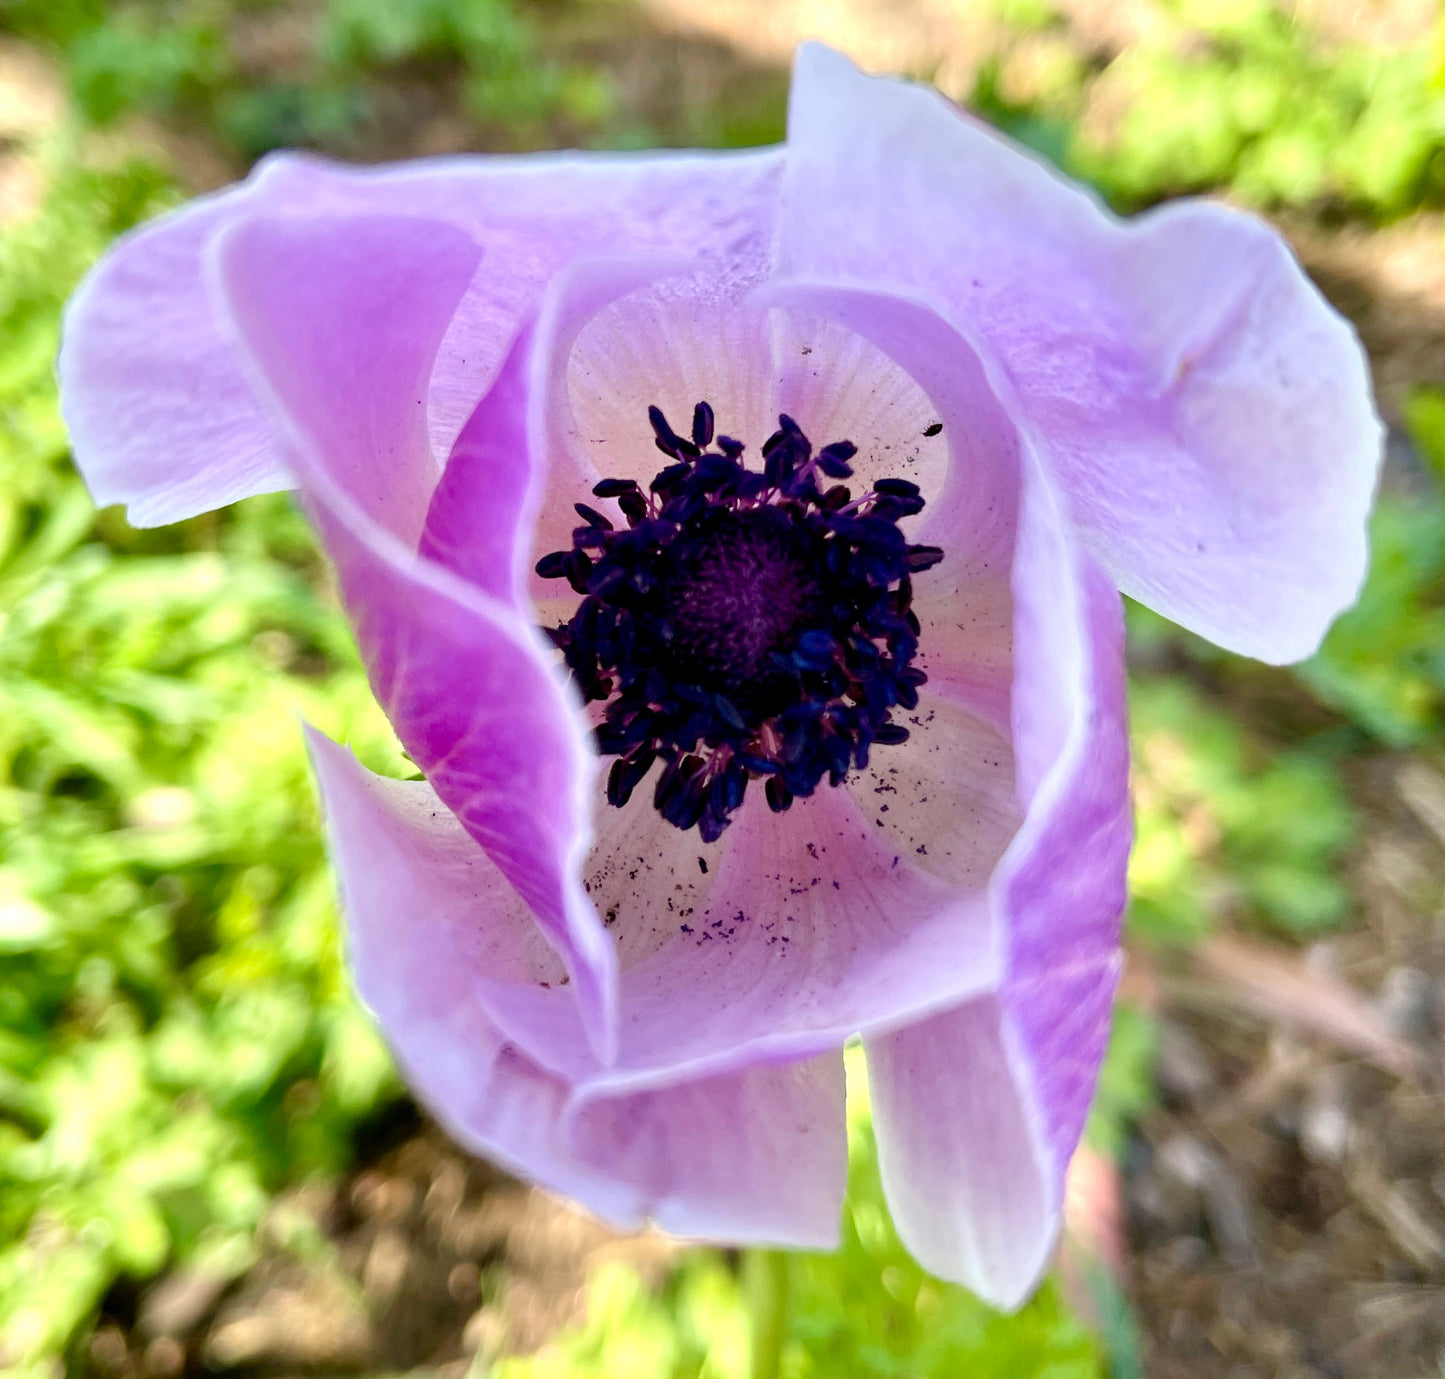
179 60
1233 95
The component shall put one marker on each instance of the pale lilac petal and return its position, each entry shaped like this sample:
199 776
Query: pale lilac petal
536 215
406 862
160 409
1061 885
343 319
445 956
946 801
160 416
809 925
1205 412
758 1156
980 1108
465 679
971 1194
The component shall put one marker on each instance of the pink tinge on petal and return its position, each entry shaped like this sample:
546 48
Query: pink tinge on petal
757 1156
477 523
160 416
971 1195
537 215
144 338
354 308
1062 883
981 1107
511 480
446 957
466 681
1205 413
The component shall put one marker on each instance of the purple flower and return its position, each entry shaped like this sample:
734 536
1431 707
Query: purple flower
816 763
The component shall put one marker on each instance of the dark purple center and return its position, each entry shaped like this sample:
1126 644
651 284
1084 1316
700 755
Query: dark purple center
744 624
736 594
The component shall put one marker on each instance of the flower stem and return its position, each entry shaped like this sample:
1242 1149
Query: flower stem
765 1279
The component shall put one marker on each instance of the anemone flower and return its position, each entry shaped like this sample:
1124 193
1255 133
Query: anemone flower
735 542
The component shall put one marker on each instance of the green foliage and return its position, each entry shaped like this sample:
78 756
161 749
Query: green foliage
361 32
137 61
1239 96
865 1310
176 1034
153 55
177 59
504 79
1264 114
1226 827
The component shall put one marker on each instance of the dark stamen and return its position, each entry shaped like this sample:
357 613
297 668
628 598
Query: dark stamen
742 625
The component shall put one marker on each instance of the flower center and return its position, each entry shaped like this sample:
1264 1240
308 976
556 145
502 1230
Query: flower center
740 589
745 624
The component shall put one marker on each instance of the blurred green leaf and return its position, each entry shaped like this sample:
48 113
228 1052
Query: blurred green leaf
172 966
1226 827
1126 1081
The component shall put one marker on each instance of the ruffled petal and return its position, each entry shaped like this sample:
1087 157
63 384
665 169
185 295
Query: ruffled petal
758 1156
979 1109
971 1195
161 411
402 856
1205 412
1061 885
340 318
479 521
160 416
445 956
342 325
